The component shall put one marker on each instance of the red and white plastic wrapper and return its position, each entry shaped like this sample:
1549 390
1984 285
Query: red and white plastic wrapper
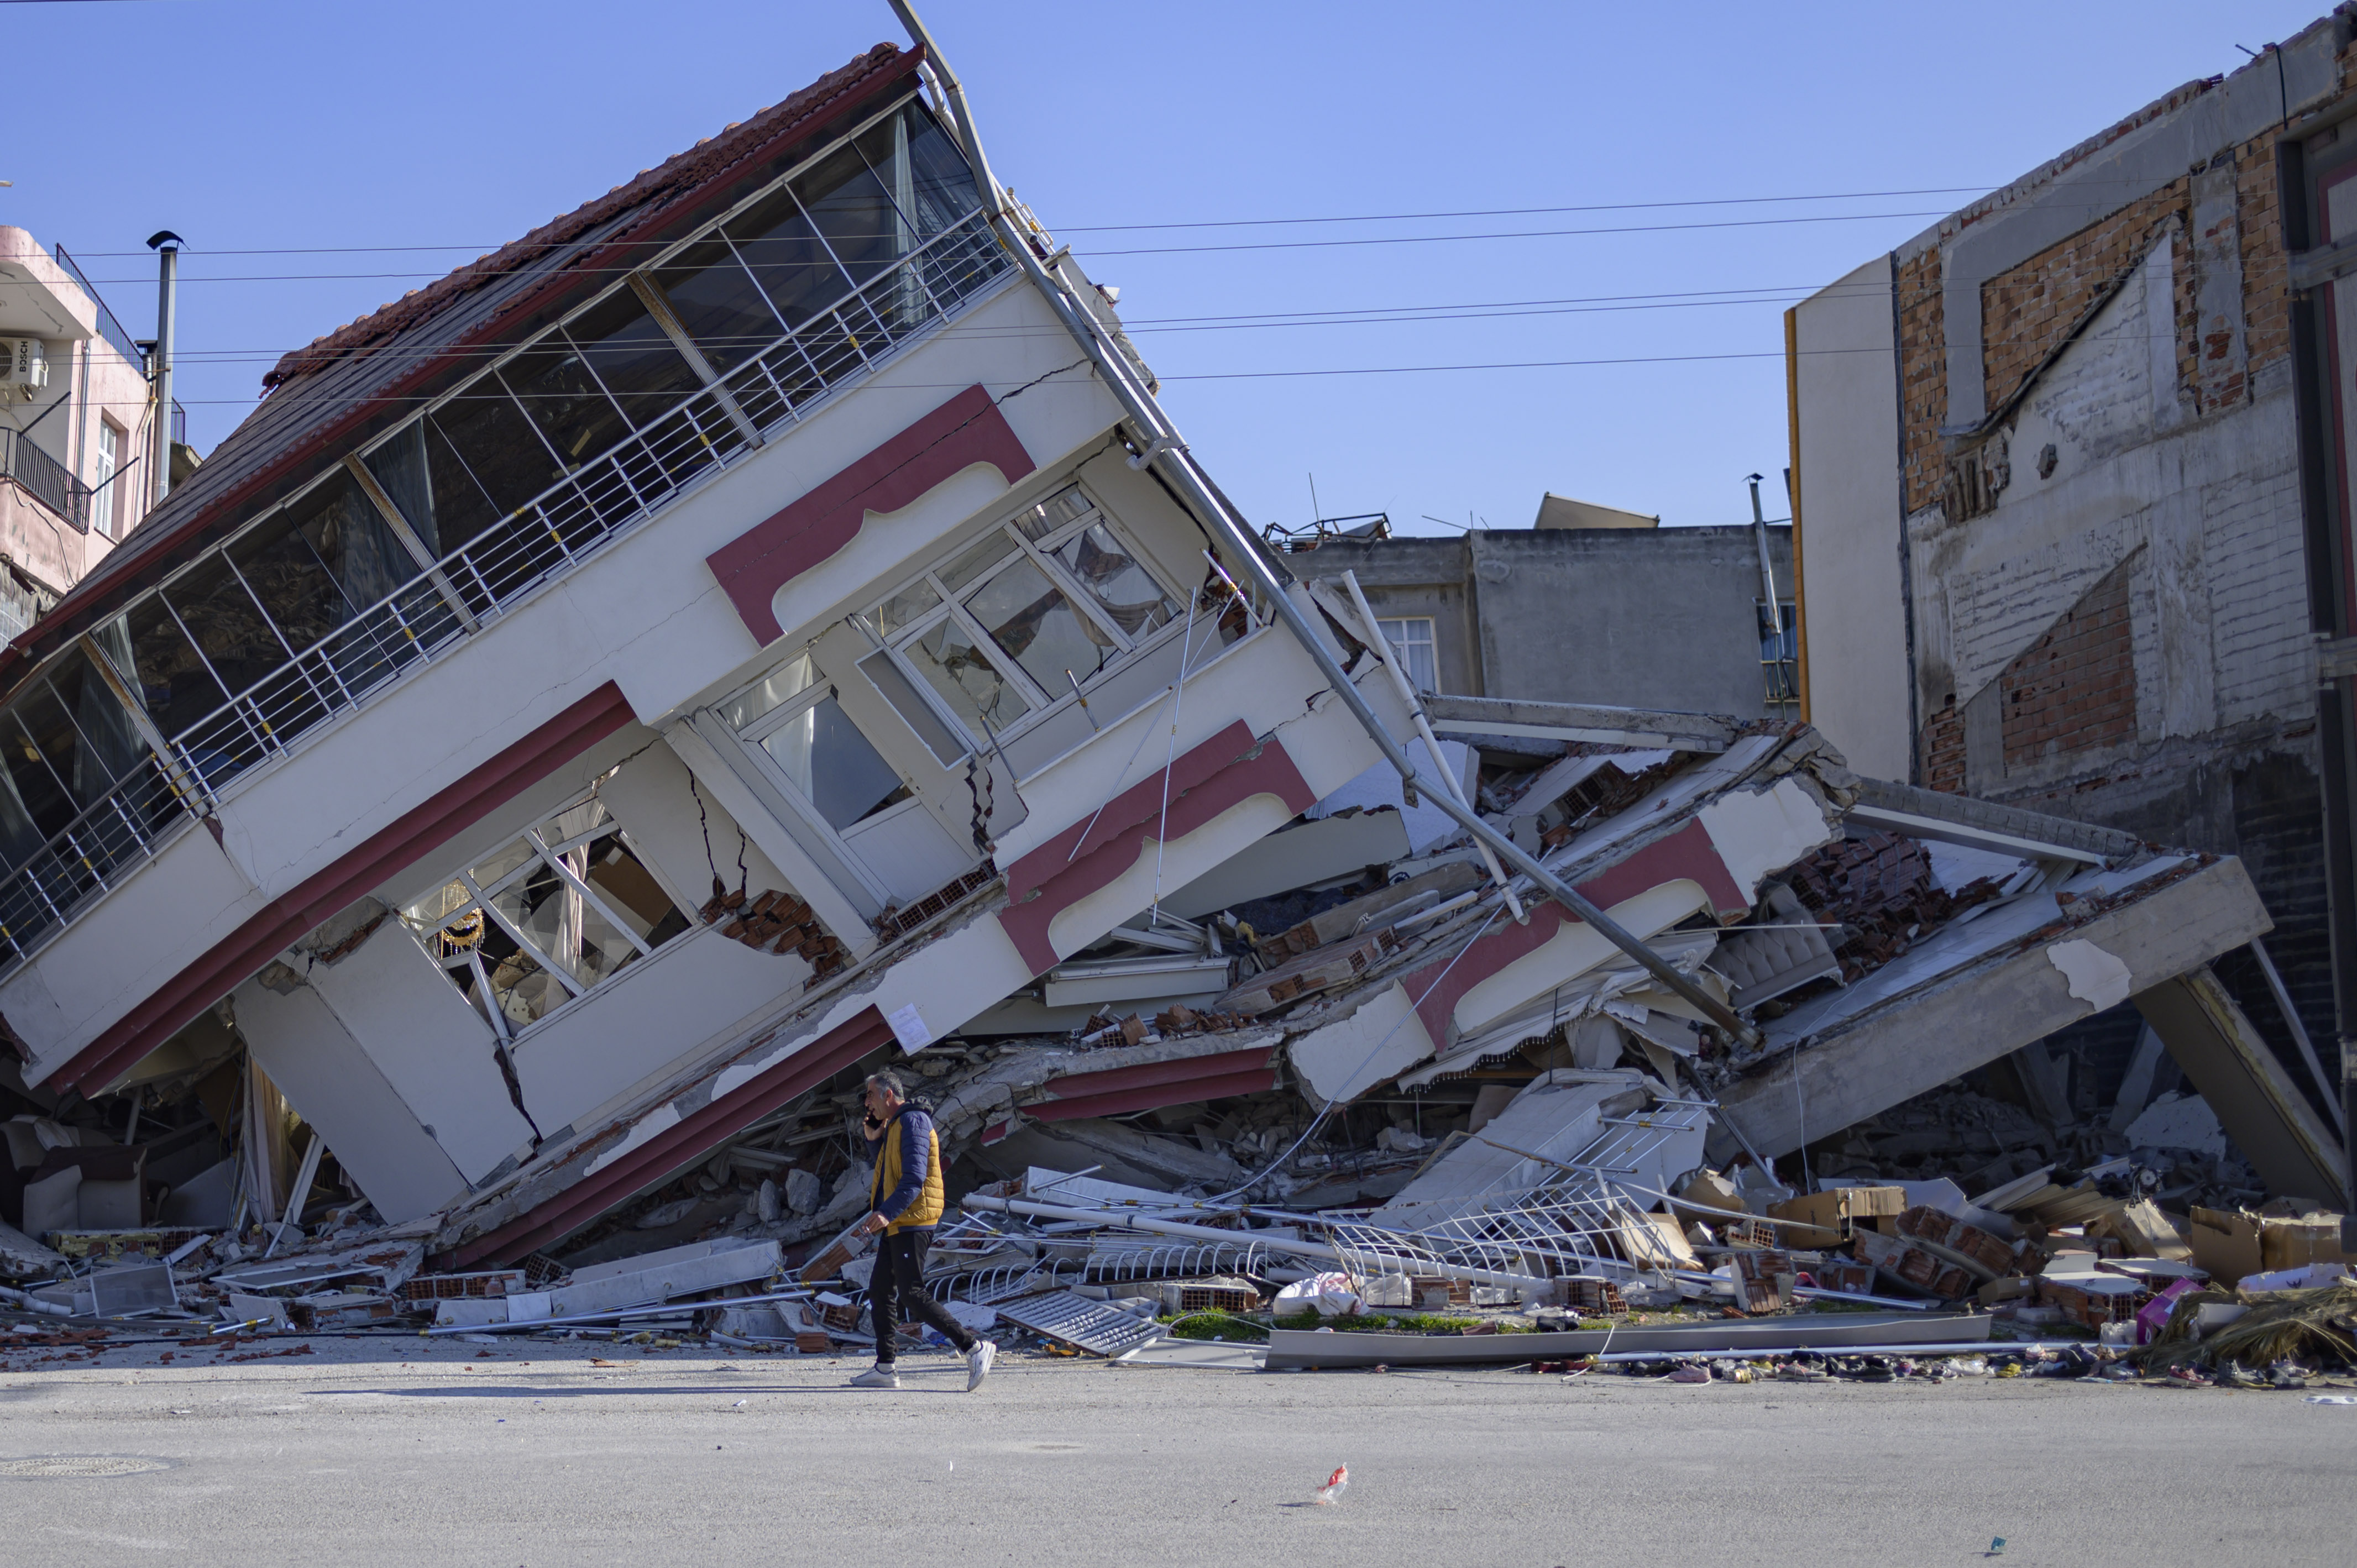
1331 1492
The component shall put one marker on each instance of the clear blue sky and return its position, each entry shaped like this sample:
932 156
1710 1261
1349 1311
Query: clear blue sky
360 123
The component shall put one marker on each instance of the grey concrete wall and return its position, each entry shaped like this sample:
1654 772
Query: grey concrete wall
1651 617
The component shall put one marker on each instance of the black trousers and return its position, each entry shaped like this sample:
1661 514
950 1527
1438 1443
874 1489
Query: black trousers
896 1289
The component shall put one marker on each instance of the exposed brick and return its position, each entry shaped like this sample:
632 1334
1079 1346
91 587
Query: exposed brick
2026 311
1943 749
2073 690
1923 371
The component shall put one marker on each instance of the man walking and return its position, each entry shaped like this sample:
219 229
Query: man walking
906 1155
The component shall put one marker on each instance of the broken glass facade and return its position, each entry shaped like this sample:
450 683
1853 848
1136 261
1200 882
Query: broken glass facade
491 490
1047 601
545 918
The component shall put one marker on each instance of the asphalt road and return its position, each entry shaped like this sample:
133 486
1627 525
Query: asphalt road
393 1452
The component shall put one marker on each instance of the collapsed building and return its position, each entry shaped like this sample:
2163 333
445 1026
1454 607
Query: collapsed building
761 626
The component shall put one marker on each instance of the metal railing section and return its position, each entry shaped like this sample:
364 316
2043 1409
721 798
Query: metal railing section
498 568
46 479
112 836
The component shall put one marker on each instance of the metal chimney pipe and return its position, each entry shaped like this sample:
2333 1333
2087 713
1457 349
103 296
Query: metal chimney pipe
166 246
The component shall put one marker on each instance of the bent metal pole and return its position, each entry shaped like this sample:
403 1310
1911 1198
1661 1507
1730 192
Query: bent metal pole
1163 449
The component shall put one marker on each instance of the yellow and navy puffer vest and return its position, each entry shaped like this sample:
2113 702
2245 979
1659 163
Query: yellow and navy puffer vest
926 1208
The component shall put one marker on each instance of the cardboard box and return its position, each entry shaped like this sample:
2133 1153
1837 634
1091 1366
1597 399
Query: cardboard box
1830 1214
2296 1243
2225 1243
2232 1244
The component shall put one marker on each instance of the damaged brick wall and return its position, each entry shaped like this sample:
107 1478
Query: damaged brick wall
2241 777
1923 377
2029 310
2074 689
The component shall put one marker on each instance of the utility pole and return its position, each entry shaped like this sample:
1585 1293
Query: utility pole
166 246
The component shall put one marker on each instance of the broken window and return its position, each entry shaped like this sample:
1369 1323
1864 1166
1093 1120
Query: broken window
546 917
791 717
1020 621
1412 639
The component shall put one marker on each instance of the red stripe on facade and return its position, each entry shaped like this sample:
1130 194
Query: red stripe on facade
1686 854
680 1144
1227 770
1256 1081
966 430
283 920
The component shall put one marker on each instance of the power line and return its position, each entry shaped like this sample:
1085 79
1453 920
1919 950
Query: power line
1373 315
187 278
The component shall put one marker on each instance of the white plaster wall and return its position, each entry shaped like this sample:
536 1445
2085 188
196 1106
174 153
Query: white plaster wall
427 1043
332 1083
654 799
121 948
1852 522
646 1020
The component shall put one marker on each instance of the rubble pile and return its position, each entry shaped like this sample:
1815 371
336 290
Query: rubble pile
1412 1109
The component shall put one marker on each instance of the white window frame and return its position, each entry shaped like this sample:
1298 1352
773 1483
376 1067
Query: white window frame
480 897
110 437
1041 702
1399 632
820 690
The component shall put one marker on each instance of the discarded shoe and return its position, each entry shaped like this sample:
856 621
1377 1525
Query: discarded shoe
878 1376
977 1363
1692 1372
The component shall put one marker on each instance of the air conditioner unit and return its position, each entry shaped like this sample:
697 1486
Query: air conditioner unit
24 367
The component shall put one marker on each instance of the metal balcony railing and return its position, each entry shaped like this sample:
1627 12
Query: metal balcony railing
493 572
46 479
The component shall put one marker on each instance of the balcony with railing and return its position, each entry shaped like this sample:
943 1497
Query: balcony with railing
771 385
45 479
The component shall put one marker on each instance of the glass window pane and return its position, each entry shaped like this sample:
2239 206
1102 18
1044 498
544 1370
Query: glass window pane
823 752
1028 617
950 661
492 450
909 606
1039 521
625 883
848 204
1122 587
510 856
323 560
552 383
717 301
996 547
226 623
633 357
399 466
784 683
109 746
547 911
520 988
941 184
788 259
51 729
172 682
39 790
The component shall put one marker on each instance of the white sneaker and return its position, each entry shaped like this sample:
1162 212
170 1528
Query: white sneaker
878 1376
977 1363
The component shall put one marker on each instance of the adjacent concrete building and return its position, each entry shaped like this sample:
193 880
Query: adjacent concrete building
2071 480
1619 613
76 411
